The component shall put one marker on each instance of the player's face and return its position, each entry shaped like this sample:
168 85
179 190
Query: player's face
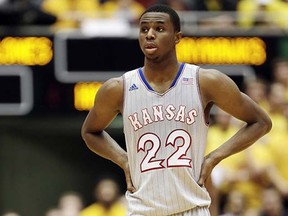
157 36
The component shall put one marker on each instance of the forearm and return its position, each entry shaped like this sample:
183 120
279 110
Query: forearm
105 146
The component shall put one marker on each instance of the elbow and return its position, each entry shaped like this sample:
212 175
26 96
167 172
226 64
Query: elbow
269 125
84 134
90 137
266 125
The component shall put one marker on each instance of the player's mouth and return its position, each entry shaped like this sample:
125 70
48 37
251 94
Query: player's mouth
150 48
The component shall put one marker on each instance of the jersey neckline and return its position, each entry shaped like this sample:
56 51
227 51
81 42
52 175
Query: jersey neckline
140 71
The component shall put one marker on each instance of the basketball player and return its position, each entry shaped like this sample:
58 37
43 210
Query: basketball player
165 106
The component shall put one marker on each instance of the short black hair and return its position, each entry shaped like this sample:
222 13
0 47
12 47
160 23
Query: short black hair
168 10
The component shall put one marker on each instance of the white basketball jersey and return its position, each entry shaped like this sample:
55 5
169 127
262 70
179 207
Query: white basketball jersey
166 140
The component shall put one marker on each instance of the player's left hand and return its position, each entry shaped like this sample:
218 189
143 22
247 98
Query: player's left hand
207 167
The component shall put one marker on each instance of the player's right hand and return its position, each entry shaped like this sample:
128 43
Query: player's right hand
129 183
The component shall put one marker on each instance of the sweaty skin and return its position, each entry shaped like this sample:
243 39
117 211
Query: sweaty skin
157 40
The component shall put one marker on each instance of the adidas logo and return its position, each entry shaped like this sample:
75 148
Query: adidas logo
133 87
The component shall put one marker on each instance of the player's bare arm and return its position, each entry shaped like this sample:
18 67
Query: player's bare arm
217 88
107 105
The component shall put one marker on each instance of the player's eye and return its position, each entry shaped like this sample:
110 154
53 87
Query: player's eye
144 29
160 29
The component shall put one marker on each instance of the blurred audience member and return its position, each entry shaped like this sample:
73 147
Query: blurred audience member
221 5
70 204
268 161
147 3
268 13
278 173
221 130
23 12
70 13
108 202
280 73
180 5
276 100
218 19
127 9
268 158
257 90
235 204
53 212
272 203
11 214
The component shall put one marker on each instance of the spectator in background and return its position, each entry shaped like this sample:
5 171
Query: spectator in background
268 157
278 174
276 100
53 212
23 12
218 19
280 73
108 200
221 130
11 214
221 5
70 204
70 13
180 5
127 9
200 5
235 204
272 203
270 13
147 3
258 89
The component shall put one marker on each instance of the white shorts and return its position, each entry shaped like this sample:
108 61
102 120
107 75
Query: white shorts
198 211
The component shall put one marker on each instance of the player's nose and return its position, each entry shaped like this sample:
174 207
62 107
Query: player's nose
150 34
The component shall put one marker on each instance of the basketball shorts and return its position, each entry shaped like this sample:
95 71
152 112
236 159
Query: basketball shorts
198 211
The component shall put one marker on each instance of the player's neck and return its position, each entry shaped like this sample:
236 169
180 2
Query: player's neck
163 69
160 74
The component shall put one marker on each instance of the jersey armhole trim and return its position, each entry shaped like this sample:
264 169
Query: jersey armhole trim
207 123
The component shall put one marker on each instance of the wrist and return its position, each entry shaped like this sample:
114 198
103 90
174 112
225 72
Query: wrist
122 161
214 158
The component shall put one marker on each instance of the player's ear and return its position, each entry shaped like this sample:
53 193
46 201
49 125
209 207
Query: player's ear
178 37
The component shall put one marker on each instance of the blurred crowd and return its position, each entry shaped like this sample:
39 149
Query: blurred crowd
255 182
72 13
251 183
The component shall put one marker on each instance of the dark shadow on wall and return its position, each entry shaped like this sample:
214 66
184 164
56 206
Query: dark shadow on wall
43 157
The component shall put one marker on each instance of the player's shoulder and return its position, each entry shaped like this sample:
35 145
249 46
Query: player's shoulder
111 91
116 83
211 75
204 73
130 74
214 82
113 85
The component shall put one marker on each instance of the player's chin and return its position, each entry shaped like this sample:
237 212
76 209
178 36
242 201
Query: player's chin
152 57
